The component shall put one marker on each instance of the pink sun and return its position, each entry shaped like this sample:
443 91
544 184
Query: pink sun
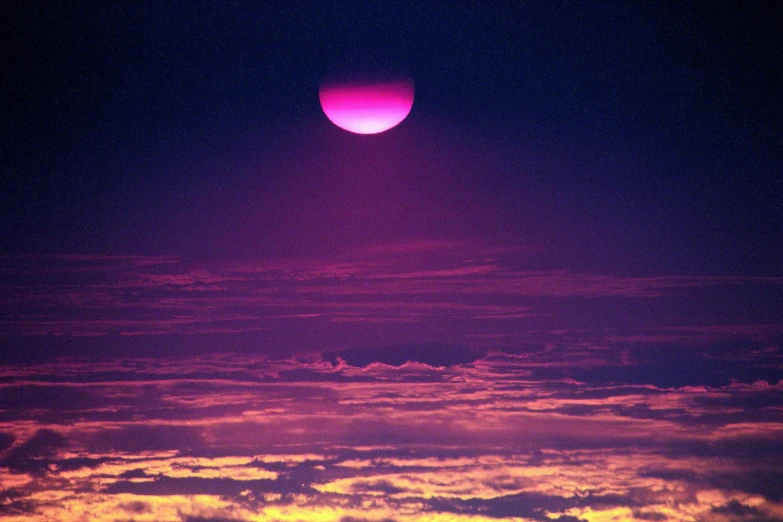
366 107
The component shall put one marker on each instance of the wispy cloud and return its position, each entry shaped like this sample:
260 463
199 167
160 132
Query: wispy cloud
480 296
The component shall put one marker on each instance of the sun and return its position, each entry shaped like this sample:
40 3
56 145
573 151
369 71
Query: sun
367 105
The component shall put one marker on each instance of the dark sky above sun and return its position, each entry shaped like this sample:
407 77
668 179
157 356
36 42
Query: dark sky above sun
637 137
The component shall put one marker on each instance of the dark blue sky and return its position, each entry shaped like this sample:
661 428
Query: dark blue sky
636 137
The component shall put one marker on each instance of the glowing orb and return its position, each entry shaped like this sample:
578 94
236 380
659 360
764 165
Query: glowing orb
366 105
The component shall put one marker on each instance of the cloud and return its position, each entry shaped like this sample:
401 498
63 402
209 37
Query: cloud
355 519
762 482
529 505
653 516
525 505
377 486
14 502
737 511
22 399
133 473
755 480
432 354
36 453
207 486
485 439
736 508
190 518
6 439
714 364
135 507
426 292
141 437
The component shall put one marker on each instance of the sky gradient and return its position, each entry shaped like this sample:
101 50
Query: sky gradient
553 292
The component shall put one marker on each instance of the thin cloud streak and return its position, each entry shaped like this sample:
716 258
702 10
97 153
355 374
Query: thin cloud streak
454 284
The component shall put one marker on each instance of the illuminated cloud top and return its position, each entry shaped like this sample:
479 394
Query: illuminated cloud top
229 437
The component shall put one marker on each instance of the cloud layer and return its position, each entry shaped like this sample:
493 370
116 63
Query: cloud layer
480 297
426 380
231 437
